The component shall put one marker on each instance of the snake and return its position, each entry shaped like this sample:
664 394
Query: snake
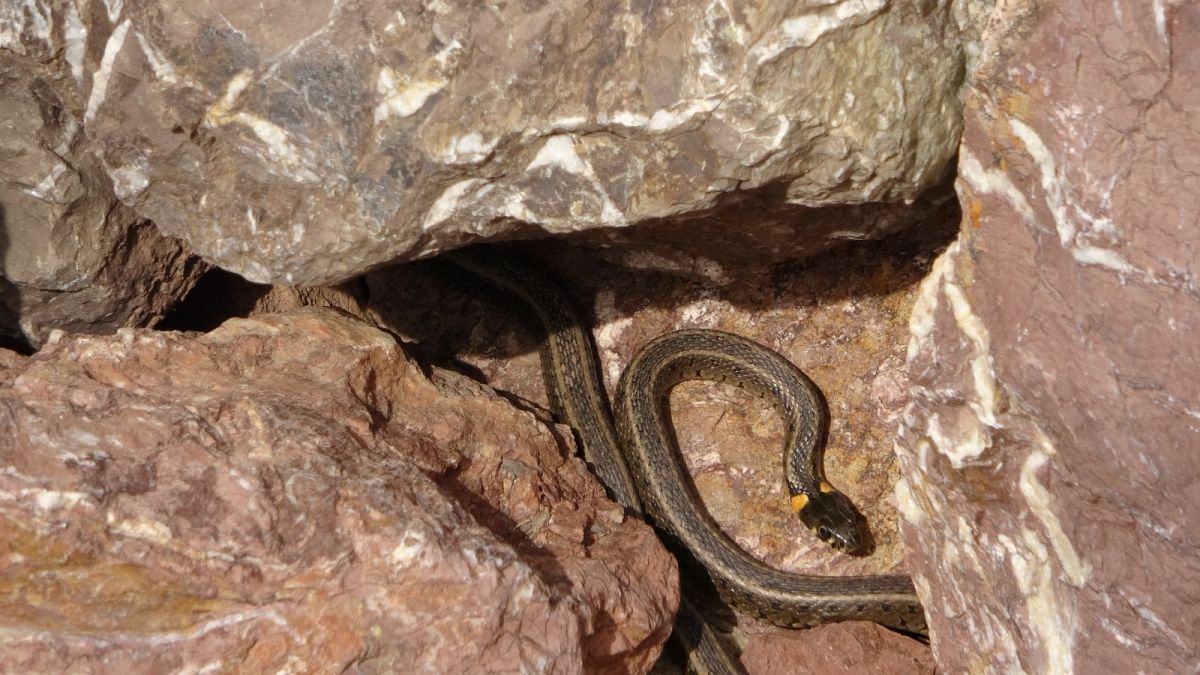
636 457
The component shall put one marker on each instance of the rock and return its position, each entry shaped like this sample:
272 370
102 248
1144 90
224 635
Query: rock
307 143
290 492
850 648
842 316
71 255
1050 496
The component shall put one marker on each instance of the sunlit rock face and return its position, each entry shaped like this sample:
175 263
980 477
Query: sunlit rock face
1050 498
290 492
307 142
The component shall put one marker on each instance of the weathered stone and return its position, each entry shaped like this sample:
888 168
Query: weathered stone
290 493
851 648
71 255
308 142
1051 497
842 317
758 227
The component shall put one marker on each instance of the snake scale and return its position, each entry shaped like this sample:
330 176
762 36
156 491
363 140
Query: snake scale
638 462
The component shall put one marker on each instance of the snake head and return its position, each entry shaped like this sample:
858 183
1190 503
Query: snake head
832 517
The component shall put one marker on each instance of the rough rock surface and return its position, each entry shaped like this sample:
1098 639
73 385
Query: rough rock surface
851 648
291 493
71 255
308 142
841 316
1052 500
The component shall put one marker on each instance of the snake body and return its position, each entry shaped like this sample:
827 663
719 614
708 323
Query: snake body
644 471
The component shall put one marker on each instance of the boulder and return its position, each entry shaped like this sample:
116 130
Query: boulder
290 492
304 143
1050 497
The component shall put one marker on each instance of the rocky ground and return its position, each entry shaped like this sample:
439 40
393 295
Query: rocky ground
972 224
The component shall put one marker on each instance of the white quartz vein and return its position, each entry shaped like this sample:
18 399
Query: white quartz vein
104 72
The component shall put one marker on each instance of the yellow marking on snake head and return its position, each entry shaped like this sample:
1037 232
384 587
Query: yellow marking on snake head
826 487
799 502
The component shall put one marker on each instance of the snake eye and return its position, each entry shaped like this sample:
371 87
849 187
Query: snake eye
824 533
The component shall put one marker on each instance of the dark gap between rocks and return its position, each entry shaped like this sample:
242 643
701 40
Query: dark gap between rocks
445 314
216 298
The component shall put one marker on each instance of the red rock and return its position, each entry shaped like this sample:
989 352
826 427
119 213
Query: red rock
1051 497
849 648
270 496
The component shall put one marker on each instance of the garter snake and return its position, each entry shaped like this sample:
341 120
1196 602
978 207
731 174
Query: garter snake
643 470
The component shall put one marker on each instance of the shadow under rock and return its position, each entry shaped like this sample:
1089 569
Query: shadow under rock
446 313
11 335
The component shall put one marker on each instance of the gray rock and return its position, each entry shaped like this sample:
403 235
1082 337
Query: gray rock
307 142
71 255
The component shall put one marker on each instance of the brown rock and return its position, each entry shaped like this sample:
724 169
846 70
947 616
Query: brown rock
301 144
71 255
850 648
288 492
11 364
1050 453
